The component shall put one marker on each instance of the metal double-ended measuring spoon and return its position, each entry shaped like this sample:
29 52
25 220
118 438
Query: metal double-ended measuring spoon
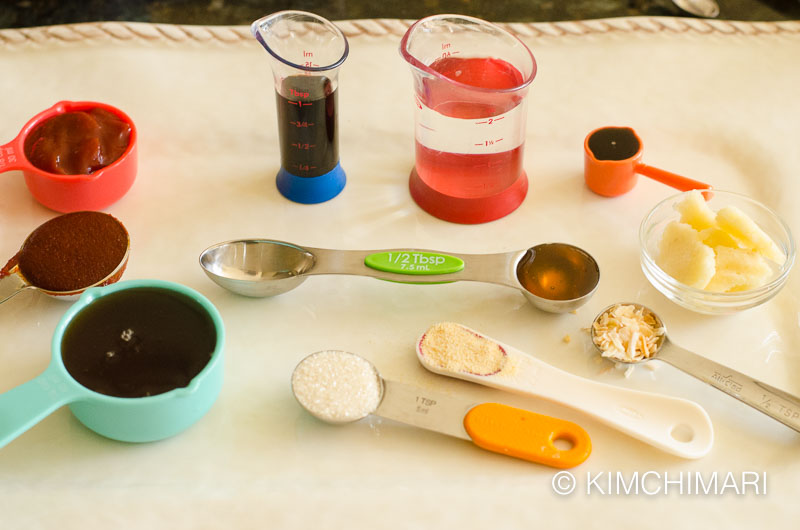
765 398
342 387
263 267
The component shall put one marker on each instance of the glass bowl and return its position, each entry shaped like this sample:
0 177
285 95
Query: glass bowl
699 300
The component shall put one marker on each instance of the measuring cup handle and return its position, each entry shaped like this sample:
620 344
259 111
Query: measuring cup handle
418 266
12 156
671 179
26 405
527 435
674 425
772 401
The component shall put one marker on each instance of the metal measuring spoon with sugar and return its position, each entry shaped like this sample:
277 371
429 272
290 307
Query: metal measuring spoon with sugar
262 267
674 425
767 399
342 387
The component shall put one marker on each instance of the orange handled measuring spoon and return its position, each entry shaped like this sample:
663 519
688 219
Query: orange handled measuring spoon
342 387
527 435
613 158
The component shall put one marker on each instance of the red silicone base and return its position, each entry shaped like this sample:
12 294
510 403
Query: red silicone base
467 211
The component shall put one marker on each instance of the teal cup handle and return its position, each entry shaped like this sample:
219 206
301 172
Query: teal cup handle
140 419
26 405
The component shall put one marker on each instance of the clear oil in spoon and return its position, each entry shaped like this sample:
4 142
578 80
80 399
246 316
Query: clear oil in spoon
556 271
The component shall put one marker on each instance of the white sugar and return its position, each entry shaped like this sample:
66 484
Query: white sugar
337 386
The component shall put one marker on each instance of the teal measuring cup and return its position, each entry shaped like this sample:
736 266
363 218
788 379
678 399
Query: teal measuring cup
128 419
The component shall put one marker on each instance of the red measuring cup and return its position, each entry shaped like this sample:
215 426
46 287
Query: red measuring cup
70 193
613 158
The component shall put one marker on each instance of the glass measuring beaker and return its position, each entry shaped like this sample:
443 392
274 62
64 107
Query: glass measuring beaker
471 79
305 53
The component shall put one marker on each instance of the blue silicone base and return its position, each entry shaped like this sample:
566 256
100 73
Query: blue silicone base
311 190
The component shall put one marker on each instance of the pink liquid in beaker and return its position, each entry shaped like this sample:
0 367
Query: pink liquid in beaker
494 160
468 176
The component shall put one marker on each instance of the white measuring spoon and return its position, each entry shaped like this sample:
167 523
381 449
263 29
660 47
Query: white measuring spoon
674 425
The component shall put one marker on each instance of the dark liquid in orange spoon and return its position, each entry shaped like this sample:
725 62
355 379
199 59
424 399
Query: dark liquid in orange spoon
614 143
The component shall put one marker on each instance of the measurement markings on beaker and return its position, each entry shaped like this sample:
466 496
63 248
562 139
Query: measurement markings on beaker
489 121
487 143
307 116
309 63
446 51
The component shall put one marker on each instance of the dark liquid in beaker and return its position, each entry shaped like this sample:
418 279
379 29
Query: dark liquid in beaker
558 272
307 125
138 342
614 143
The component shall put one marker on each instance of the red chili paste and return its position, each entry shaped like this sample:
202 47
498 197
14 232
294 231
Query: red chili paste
78 142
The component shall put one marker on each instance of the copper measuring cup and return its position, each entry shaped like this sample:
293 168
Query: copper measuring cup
71 193
613 158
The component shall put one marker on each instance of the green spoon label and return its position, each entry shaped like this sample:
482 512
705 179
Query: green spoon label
414 262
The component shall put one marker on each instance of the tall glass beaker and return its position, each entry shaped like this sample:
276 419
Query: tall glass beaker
305 53
471 79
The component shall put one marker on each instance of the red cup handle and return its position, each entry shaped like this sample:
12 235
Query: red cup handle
12 156
671 179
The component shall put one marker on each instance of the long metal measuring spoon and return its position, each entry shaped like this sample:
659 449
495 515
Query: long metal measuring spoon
674 425
342 387
765 398
56 254
263 267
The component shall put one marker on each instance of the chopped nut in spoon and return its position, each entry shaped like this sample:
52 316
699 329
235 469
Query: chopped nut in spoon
625 333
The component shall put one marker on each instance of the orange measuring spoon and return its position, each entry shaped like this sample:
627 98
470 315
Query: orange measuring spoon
341 387
493 427
613 158
527 435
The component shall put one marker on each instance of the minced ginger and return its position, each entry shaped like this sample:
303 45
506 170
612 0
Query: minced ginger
723 251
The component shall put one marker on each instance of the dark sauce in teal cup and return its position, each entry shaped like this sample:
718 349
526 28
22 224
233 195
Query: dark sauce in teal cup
136 361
